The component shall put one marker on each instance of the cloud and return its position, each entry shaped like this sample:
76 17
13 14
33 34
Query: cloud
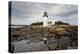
28 12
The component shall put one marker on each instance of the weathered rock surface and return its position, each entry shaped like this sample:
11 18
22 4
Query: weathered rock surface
58 38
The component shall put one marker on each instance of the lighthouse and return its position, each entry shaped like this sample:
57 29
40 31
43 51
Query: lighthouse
45 19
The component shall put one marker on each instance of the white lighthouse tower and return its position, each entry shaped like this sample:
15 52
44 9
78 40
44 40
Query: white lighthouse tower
45 19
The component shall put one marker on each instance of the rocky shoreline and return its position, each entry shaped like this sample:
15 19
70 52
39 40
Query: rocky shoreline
59 37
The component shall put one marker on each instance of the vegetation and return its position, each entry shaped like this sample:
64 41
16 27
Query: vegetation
56 23
61 23
37 23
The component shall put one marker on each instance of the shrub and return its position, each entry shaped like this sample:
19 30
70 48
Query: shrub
37 23
61 23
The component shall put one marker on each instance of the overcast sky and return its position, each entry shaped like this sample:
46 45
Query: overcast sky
25 13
